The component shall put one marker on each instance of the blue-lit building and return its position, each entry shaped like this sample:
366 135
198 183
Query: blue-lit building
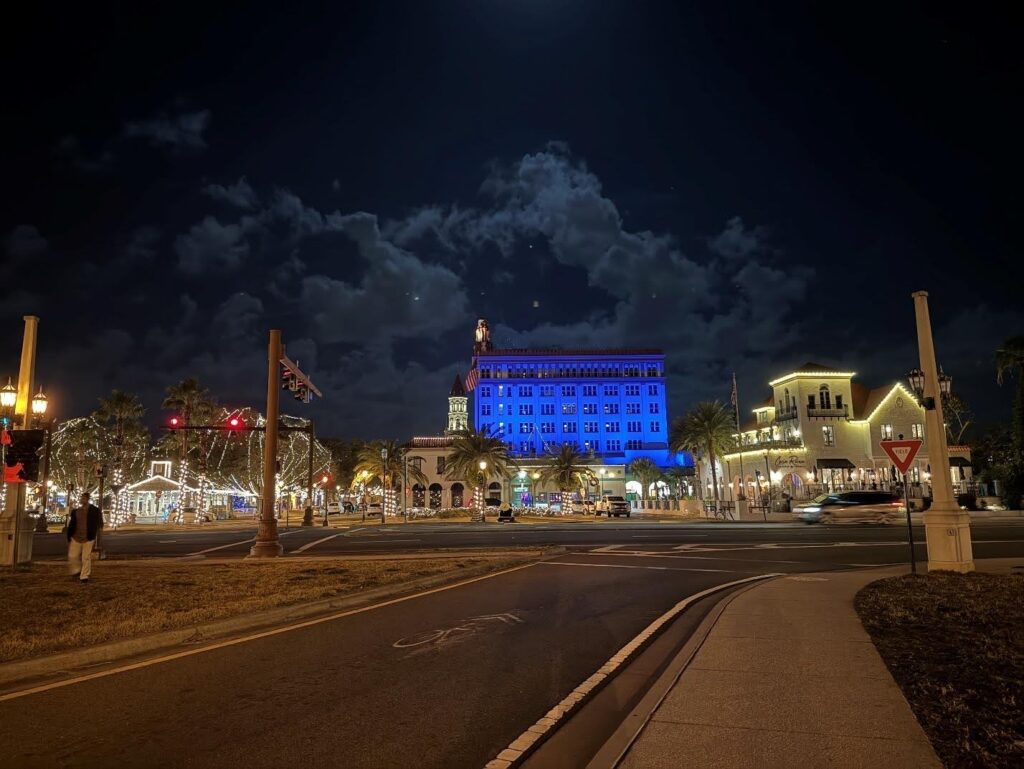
609 403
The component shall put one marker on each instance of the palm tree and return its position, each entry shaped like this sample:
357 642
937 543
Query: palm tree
371 465
122 412
472 449
646 471
190 401
567 471
1009 359
707 431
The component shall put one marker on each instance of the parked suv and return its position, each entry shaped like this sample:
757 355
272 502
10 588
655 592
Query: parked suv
850 507
612 506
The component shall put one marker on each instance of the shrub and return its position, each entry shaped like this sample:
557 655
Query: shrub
967 501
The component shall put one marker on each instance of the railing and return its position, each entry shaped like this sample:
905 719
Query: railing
833 413
773 443
784 414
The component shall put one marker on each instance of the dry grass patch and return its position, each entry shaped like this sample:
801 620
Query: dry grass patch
43 611
955 645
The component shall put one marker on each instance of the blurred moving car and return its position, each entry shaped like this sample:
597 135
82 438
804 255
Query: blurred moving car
851 507
333 508
612 505
375 510
586 507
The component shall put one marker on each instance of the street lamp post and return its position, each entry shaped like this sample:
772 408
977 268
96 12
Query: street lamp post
384 486
947 528
600 482
39 404
483 481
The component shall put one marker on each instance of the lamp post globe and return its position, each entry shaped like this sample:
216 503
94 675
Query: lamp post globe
916 380
8 395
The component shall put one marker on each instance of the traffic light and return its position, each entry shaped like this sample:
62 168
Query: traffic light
325 479
301 392
174 423
24 451
288 380
235 422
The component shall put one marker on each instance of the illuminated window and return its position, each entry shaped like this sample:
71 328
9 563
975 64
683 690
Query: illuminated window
590 427
886 432
589 408
568 427
828 435
524 447
547 427
568 408
525 427
611 408
611 427
917 430
526 409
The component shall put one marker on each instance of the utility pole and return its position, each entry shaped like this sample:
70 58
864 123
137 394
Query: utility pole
307 514
13 525
947 528
267 543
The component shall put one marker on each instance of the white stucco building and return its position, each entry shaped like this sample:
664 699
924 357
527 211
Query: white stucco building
820 431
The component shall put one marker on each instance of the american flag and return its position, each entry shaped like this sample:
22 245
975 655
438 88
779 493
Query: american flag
471 379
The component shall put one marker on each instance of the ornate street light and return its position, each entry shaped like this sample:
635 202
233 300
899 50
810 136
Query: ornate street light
945 383
39 404
8 395
916 379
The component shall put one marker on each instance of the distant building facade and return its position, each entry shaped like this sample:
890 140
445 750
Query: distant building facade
819 431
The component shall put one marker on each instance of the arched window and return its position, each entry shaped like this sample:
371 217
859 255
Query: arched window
419 495
457 493
787 399
825 397
494 490
435 496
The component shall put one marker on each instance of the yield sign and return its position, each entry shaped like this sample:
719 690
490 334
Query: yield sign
902 453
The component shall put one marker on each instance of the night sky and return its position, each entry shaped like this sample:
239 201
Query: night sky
747 187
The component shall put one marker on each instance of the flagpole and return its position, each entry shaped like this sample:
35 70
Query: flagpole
736 404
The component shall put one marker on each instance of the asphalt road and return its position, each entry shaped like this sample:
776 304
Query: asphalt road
446 679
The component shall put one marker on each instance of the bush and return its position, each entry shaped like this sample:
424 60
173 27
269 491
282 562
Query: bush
455 512
967 501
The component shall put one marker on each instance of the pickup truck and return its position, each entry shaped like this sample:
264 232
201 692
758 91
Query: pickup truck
612 506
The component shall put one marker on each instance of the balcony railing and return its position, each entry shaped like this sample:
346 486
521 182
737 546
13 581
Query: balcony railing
783 414
772 443
833 413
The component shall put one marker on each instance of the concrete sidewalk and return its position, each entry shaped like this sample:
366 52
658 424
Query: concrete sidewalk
786 677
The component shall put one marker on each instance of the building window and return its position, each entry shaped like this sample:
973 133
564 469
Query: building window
589 391
613 445
568 391
839 400
485 392
590 427
611 391
652 389
632 389
917 430
501 390
633 427
547 427
825 397
568 427
810 401
653 408
524 427
589 408
632 408
526 409
568 408
592 445
485 409
828 435
634 445
547 409
611 408
611 427
654 427
440 465
525 391
547 391
501 408
886 432
524 447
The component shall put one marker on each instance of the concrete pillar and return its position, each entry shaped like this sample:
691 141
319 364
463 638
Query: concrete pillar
947 528
267 544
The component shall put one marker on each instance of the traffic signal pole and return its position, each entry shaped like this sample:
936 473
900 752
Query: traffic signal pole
307 514
12 523
267 543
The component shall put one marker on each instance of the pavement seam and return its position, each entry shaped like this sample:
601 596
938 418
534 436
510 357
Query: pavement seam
516 753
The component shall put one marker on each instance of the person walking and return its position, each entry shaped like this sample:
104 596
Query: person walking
84 525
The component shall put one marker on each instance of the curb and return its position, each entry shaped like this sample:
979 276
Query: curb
531 739
22 671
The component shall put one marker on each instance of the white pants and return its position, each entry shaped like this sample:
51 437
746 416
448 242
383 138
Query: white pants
80 558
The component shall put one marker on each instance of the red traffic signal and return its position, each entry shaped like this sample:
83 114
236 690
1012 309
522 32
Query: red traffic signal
325 479
175 422
235 423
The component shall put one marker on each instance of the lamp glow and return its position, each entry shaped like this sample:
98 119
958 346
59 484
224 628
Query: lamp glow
39 403
8 395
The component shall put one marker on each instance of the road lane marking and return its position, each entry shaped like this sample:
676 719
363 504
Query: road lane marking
670 554
559 712
236 544
465 628
629 566
252 637
308 545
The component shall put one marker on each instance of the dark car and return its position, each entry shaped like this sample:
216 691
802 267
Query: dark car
851 507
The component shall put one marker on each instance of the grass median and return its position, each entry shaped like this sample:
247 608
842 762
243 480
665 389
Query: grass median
955 645
43 611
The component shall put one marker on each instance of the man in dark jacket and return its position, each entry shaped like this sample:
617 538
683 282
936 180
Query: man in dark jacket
84 524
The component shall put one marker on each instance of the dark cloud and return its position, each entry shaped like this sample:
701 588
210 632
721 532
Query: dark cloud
180 132
25 241
210 246
240 194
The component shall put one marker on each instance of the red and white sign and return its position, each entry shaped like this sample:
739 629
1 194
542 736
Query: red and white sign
902 453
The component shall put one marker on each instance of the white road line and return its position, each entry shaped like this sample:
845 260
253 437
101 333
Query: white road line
551 719
308 545
246 639
236 544
670 554
606 549
627 566
384 544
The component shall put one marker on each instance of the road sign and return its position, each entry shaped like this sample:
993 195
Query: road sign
902 453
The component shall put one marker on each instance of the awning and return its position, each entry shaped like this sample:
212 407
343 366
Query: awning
959 462
836 464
